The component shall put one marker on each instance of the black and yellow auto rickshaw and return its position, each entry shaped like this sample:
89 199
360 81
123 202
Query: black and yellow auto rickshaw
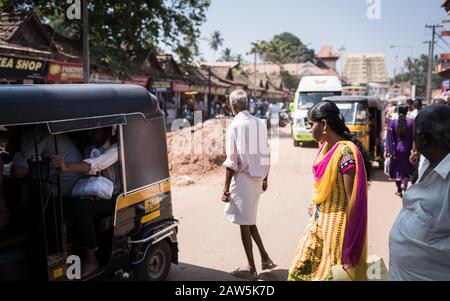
139 239
365 119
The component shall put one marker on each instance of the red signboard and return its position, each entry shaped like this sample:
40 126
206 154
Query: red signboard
179 86
138 80
445 33
65 72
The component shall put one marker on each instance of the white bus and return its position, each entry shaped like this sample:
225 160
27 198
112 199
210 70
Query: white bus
311 90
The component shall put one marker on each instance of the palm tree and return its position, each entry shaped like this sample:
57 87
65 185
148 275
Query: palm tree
216 41
226 55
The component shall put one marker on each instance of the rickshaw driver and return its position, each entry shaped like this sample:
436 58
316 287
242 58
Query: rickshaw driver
86 211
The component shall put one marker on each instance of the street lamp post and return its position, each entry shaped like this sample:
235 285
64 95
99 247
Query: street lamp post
412 57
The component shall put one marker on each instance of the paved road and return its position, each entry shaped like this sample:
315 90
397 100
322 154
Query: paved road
210 247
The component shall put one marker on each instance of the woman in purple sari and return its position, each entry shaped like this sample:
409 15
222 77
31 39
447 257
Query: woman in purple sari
399 144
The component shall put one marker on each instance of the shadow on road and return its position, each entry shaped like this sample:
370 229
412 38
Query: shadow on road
275 275
188 272
379 176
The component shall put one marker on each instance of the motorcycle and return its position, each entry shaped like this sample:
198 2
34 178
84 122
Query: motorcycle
284 118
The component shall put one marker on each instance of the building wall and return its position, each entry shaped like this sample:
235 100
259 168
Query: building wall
365 68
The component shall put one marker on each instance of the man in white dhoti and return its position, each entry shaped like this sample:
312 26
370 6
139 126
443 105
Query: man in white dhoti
247 163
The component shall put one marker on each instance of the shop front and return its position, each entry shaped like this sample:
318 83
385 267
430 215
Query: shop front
138 80
22 70
63 72
162 88
104 78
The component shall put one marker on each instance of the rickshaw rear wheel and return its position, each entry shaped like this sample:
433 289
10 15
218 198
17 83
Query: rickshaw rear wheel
156 266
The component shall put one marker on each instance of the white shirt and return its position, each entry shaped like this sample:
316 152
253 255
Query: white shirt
247 146
273 111
420 237
46 148
414 114
101 159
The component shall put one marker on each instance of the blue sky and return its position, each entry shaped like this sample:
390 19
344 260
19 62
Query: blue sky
333 22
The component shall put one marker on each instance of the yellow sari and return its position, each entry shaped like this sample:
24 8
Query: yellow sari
337 234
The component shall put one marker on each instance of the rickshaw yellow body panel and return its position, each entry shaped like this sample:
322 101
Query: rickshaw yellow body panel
362 133
125 201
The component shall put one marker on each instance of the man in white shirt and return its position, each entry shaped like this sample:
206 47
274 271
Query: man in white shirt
247 163
47 149
273 114
419 243
103 157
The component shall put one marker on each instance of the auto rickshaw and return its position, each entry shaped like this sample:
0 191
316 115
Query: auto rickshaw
365 119
139 240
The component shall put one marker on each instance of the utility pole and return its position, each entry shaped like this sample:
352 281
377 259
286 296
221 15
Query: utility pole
86 63
395 69
254 93
431 61
209 89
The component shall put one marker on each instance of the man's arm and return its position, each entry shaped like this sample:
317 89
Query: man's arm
231 163
89 166
226 191
81 167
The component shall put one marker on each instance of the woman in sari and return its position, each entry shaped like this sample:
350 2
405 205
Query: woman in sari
336 235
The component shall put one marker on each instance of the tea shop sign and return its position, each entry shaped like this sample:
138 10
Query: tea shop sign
16 67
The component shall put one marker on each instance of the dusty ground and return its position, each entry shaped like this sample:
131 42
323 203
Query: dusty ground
210 247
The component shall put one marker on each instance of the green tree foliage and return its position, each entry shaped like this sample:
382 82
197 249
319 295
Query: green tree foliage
227 56
216 41
289 81
284 48
120 28
418 70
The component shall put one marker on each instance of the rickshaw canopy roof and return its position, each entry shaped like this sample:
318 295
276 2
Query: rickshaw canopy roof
373 102
28 104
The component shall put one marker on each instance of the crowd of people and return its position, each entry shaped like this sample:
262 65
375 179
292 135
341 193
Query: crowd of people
337 235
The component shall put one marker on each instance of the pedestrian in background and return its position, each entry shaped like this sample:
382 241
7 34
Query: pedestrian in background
419 243
336 235
399 145
248 164
418 106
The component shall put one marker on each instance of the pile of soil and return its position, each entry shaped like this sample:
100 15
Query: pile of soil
196 150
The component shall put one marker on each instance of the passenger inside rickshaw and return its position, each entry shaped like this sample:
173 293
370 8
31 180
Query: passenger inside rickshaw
38 141
62 152
94 194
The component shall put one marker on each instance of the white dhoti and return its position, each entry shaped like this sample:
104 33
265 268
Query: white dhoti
243 206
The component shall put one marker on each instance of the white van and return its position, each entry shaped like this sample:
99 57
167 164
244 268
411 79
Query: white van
311 90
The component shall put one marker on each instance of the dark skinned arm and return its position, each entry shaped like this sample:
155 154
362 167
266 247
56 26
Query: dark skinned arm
81 167
349 180
226 191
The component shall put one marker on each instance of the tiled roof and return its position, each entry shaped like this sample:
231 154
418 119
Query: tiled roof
10 23
10 46
327 52
219 64
303 69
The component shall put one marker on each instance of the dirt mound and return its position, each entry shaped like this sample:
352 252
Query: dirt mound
196 150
